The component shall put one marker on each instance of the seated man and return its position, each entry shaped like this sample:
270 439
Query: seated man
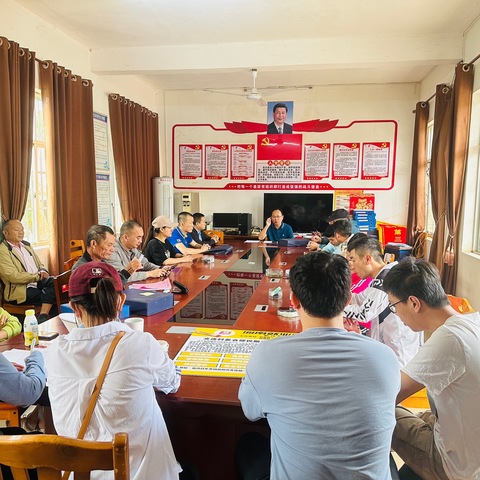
22 386
308 386
26 279
341 214
442 443
181 239
371 308
198 232
100 244
275 229
342 233
316 244
126 250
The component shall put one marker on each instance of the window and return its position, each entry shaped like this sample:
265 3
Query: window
430 221
35 219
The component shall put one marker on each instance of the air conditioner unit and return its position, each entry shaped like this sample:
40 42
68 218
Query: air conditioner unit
163 197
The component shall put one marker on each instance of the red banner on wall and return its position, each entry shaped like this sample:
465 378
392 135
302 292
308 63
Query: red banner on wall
285 146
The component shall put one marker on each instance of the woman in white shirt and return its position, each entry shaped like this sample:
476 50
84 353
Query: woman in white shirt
127 400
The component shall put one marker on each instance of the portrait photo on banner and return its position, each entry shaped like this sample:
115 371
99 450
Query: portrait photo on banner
279 117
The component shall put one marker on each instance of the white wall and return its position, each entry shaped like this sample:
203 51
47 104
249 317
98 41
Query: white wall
346 103
50 43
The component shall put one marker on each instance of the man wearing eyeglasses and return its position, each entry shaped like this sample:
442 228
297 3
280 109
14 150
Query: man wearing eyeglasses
442 443
275 228
371 308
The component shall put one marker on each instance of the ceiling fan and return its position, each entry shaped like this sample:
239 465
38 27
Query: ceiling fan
254 94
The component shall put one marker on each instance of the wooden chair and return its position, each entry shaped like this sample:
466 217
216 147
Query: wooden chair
77 247
14 308
60 282
220 235
50 454
9 415
68 265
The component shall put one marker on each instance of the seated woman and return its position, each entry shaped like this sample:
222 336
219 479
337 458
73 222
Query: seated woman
9 325
159 250
127 400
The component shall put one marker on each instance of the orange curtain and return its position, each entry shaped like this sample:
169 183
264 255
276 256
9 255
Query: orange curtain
438 169
68 110
416 203
17 101
136 154
462 108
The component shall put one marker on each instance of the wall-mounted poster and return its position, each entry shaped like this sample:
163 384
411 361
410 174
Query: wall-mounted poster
100 137
104 204
375 160
191 161
317 161
216 161
345 160
242 161
321 154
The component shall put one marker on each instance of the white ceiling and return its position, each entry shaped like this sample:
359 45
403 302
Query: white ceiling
191 44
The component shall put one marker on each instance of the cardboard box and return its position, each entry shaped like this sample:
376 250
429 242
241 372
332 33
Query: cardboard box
389 232
147 303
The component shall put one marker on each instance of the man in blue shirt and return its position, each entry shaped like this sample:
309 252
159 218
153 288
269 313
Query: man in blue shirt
181 239
275 229
22 386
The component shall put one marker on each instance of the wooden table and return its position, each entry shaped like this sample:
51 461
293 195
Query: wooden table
204 417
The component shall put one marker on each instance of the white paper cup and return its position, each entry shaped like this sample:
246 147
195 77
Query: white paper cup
164 345
135 323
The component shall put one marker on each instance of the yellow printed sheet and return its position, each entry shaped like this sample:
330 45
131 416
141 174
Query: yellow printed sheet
216 352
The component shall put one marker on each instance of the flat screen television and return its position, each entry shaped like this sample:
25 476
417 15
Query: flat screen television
304 212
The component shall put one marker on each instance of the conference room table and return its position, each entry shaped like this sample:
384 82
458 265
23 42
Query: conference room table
204 417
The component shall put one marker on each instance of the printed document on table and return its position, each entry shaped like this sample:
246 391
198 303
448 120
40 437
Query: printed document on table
220 352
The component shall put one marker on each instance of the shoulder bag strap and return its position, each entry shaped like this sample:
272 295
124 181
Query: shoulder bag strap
96 391
98 385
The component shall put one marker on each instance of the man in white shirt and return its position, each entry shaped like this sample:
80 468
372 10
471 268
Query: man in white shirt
442 443
25 278
371 307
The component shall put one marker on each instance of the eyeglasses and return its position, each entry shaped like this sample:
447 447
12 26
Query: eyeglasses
277 216
393 307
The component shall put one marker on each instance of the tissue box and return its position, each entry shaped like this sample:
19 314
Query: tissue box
148 303
124 313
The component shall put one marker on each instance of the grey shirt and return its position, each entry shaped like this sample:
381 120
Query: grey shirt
329 398
121 257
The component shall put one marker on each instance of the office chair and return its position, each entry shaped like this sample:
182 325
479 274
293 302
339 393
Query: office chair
50 454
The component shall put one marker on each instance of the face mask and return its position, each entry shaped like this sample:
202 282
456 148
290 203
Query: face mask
78 323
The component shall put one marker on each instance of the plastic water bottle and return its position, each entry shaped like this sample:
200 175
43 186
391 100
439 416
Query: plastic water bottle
30 328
